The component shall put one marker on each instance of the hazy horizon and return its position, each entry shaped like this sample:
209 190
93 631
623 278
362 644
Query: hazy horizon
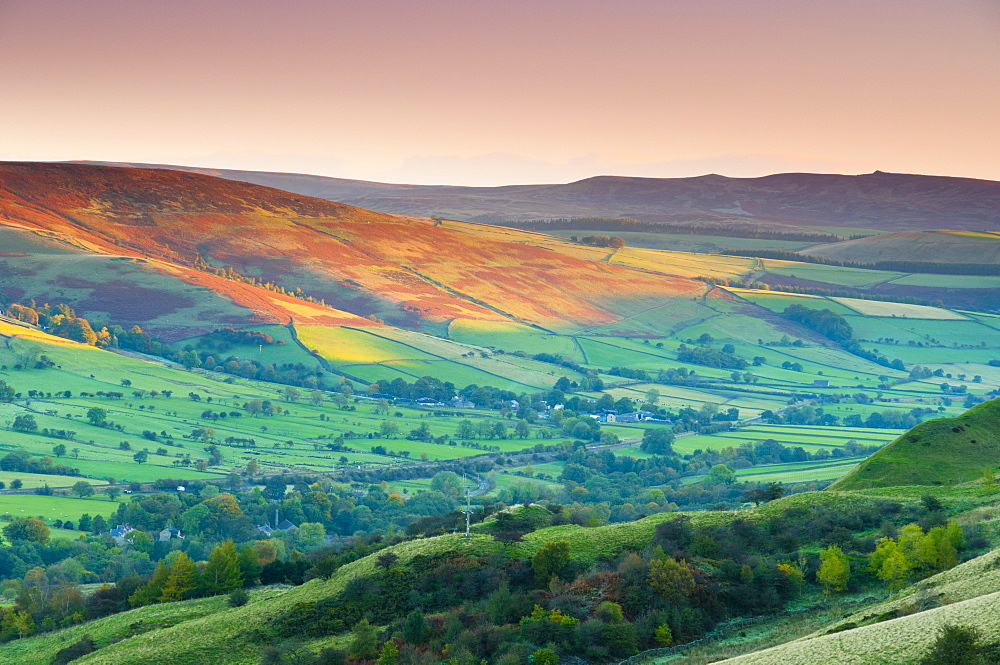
480 93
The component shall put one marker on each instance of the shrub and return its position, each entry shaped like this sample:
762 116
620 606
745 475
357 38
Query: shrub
239 598
955 645
74 651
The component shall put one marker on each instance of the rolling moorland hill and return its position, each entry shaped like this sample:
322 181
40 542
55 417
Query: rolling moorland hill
887 201
399 269
172 300
943 451
943 246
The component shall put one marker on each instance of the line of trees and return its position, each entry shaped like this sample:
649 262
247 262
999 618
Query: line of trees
762 285
629 225
835 327
932 267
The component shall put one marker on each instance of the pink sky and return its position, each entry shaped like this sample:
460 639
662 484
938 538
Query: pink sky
506 91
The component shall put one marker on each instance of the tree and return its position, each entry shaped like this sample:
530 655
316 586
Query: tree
98 524
141 457
988 484
291 394
222 573
465 430
545 657
670 578
275 487
652 396
252 468
834 569
97 416
364 641
309 536
59 449
182 578
113 492
389 655
25 423
663 634
151 591
250 565
448 483
76 329
415 628
7 392
83 489
191 359
931 504
956 645
551 560
16 484
890 563
388 429
657 441
720 474
27 528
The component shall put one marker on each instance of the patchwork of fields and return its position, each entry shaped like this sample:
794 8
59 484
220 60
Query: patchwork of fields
637 355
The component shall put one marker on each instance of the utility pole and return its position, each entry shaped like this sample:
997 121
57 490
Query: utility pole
468 507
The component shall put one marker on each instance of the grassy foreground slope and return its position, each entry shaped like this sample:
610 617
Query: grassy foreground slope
965 595
208 631
938 452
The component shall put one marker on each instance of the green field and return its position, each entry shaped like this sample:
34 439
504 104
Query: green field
855 277
895 309
51 508
810 439
498 354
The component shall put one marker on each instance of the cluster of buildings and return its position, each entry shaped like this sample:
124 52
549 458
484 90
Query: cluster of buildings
456 402
612 416
283 525
121 532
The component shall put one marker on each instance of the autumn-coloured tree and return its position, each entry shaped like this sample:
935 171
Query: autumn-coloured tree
151 591
222 574
834 569
551 560
27 528
670 578
183 576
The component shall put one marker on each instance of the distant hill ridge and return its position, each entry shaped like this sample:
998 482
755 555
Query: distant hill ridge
941 246
887 201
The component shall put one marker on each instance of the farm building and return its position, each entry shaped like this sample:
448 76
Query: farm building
170 532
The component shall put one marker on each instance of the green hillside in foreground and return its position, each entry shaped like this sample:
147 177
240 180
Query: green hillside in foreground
209 631
897 631
943 451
